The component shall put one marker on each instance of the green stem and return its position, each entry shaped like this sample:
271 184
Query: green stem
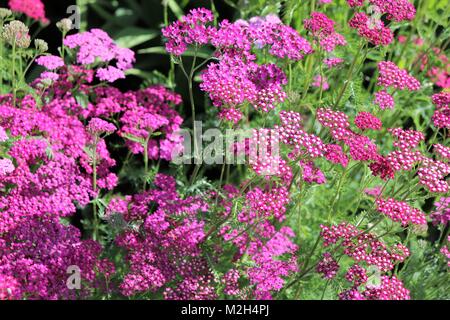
94 187
146 161
349 76
13 72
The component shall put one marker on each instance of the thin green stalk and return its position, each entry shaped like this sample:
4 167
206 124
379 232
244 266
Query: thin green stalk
349 76
13 71
94 188
309 65
146 161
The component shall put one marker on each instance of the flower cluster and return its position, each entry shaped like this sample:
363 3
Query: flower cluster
96 46
392 76
161 248
372 29
363 247
441 117
400 212
441 215
323 29
236 78
31 8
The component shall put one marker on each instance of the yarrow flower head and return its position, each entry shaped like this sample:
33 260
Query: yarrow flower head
98 126
64 25
365 120
441 116
363 247
5 13
96 46
292 134
442 151
406 139
371 29
392 76
232 82
16 34
332 119
397 10
441 215
332 62
384 100
335 154
230 114
50 62
432 175
3 136
283 41
400 212
328 266
319 24
31 8
322 28
192 29
6 166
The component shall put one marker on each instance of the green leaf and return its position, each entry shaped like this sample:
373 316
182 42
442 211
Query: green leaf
82 99
138 73
134 36
205 54
177 11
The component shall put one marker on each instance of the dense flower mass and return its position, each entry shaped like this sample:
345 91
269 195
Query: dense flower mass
50 62
248 159
372 29
400 212
392 76
32 8
96 46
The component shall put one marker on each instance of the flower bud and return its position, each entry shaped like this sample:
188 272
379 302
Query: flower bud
41 45
5 13
16 32
64 25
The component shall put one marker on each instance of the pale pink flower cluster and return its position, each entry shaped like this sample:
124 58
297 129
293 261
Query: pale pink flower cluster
95 46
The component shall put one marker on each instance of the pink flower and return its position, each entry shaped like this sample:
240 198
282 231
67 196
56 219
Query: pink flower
335 154
52 76
432 175
3 136
442 151
398 10
230 114
32 8
98 126
191 29
442 213
321 82
365 120
332 119
323 29
96 46
50 62
6 166
328 266
392 76
332 62
384 100
401 212
373 30
110 74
